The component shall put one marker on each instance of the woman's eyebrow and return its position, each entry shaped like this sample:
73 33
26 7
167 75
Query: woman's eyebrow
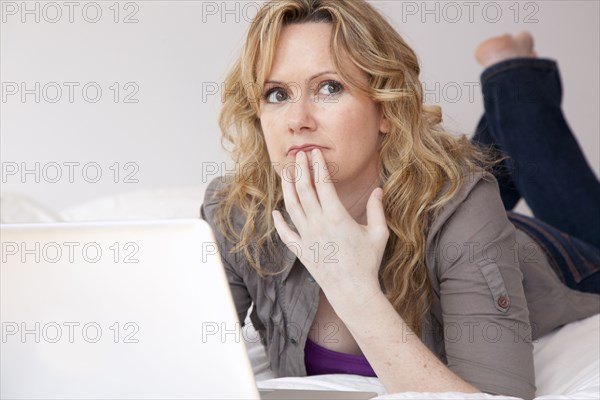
309 79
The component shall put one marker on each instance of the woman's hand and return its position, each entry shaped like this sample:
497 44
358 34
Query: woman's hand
341 255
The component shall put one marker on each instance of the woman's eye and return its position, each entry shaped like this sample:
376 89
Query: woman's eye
331 88
276 96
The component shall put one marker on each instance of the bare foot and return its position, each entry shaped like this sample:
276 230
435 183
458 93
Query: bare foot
500 48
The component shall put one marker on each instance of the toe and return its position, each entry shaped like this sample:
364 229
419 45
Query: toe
524 41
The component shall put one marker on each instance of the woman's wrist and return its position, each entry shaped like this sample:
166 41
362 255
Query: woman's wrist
360 307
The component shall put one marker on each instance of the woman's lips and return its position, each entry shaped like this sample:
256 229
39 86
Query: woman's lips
294 150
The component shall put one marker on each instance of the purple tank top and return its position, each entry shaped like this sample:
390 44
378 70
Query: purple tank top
319 361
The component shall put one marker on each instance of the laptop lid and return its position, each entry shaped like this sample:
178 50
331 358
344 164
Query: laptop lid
118 310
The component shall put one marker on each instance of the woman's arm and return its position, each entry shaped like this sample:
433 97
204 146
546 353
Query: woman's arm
400 359
350 281
483 305
487 334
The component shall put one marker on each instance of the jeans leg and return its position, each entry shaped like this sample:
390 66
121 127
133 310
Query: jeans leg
575 262
508 191
522 107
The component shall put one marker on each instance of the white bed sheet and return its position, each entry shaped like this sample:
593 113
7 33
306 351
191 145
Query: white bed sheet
567 365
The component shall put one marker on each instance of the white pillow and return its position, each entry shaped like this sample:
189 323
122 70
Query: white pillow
162 203
15 209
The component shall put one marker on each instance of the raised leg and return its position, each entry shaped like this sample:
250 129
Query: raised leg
523 118
508 192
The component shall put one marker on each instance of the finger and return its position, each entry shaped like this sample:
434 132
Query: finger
292 203
376 223
287 235
323 183
304 187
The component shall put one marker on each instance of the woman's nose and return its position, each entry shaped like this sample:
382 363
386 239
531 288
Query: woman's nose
300 117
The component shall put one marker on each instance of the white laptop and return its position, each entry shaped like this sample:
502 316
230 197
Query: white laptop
122 310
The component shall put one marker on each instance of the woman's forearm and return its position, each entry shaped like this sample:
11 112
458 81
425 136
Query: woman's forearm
400 359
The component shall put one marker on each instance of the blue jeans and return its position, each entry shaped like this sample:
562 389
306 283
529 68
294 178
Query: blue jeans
523 119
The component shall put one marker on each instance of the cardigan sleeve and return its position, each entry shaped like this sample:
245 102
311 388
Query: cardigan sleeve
487 334
239 291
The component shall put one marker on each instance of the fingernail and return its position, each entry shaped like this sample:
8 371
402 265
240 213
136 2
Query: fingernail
379 193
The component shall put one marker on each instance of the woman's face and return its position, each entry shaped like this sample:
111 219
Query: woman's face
305 103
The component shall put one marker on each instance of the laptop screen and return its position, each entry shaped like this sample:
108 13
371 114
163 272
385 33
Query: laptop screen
118 310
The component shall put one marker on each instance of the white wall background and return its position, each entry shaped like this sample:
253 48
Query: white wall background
173 54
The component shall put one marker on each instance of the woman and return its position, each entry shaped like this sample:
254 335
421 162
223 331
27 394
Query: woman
368 239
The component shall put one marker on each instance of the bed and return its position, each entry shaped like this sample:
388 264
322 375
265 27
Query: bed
567 360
